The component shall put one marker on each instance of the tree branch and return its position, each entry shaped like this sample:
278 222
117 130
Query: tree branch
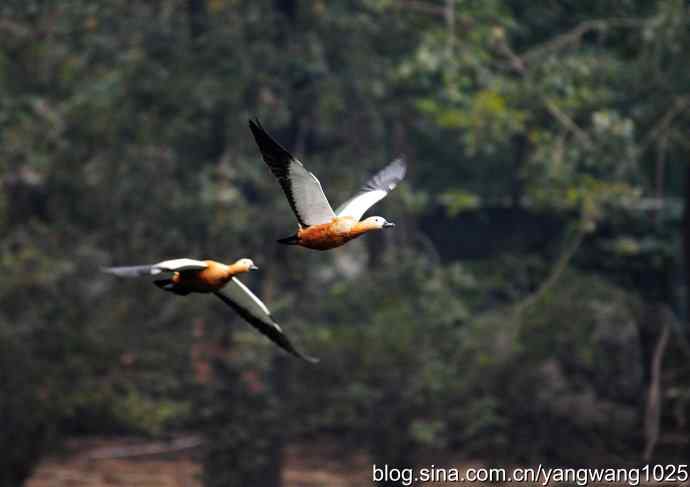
555 275
679 105
574 36
518 64
567 122
653 410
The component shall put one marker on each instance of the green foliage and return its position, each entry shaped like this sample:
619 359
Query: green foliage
571 371
388 376
457 201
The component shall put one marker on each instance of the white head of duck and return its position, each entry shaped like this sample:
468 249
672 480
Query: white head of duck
243 265
375 223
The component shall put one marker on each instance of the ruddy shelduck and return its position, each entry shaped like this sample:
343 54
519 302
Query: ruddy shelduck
320 227
185 276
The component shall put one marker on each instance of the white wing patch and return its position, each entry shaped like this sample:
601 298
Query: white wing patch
374 190
357 206
256 300
176 265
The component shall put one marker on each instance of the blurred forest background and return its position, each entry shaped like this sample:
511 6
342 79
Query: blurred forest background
530 306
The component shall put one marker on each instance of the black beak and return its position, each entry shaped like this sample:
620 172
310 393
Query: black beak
388 224
253 267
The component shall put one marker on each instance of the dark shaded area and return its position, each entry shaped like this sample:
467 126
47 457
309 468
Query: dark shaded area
482 233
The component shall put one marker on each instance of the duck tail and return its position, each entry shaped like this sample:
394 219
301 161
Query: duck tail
165 284
291 240
168 285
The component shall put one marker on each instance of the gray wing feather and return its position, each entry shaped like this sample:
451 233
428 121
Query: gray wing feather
132 271
302 188
173 265
248 306
374 190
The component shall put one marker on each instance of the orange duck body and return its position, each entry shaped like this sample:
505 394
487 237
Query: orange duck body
329 235
208 280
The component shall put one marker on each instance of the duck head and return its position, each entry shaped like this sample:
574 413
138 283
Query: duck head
244 265
376 223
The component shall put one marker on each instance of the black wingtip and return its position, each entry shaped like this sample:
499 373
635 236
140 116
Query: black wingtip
270 330
311 360
257 130
290 348
269 147
306 358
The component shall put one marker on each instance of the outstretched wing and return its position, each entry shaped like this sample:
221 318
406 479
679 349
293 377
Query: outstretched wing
174 265
132 271
178 265
303 190
374 190
248 306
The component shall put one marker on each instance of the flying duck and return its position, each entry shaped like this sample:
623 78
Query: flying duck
320 227
184 276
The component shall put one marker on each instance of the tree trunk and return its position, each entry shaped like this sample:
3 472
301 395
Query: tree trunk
277 378
652 416
686 237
